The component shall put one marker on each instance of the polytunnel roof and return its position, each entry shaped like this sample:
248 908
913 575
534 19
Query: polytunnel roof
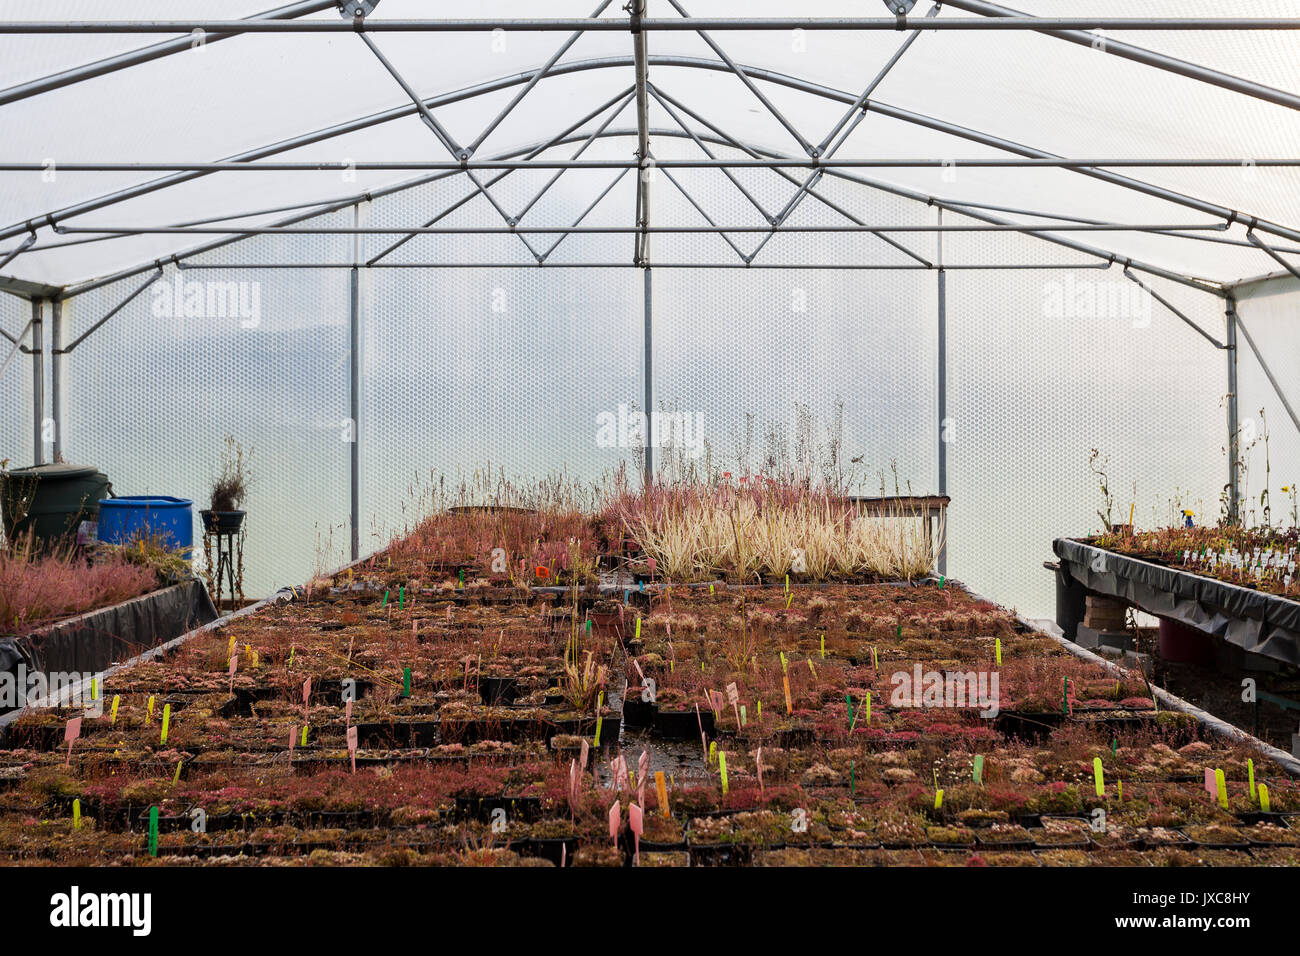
1213 111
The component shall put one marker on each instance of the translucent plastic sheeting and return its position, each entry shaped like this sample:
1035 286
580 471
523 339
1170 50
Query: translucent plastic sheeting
1270 312
494 372
220 99
15 385
791 370
152 393
1043 368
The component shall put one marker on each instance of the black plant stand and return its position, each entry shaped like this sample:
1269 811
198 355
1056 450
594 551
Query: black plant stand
226 547
224 530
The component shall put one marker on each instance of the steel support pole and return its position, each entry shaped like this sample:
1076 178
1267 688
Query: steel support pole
56 375
1234 428
1268 372
38 381
1146 57
354 396
943 406
942 396
135 57
647 377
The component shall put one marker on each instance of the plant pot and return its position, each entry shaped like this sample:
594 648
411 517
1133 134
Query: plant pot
221 522
682 724
498 691
637 713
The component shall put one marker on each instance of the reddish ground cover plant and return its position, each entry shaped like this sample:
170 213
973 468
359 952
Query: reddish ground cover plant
39 589
738 725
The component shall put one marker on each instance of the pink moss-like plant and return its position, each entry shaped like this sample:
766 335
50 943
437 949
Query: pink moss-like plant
37 590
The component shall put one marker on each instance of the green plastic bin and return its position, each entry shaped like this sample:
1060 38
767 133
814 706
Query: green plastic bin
50 501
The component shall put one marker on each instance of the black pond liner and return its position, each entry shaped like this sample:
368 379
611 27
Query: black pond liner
1251 619
91 642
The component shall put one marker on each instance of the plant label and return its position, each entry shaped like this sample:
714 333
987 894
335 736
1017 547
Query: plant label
615 821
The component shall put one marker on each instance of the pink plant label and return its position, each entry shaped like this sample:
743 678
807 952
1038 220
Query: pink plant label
1211 787
615 821
234 665
293 736
306 691
352 739
347 711
73 730
586 753
634 821
758 764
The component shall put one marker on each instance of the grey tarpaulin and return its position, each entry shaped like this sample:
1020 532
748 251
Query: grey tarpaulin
1252 620
91 642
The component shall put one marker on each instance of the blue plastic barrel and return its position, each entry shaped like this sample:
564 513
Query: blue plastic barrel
132 517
